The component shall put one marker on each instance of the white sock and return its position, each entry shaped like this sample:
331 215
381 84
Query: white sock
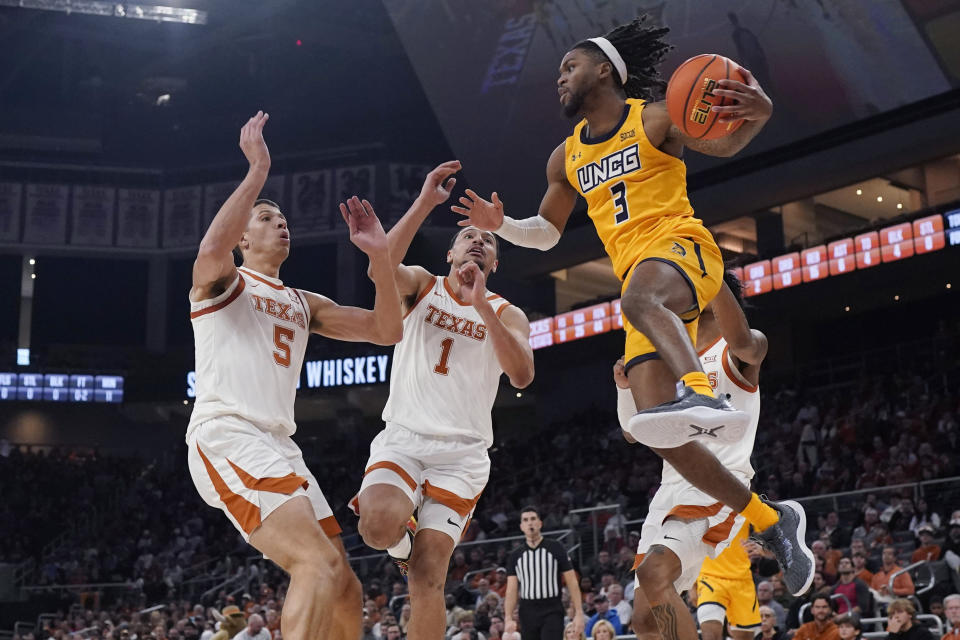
401 550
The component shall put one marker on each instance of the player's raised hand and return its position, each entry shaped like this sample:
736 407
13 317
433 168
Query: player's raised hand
486 215
620 375
751 103
366 232
438 184
252 143
473 284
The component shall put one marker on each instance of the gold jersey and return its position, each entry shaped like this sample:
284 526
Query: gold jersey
635 193
733 562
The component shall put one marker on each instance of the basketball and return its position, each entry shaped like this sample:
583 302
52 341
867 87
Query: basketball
690 96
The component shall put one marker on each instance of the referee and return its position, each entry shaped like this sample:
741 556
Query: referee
533 572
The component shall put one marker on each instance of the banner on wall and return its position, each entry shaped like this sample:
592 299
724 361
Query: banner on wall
46 219
93 215
11 197
214 195
139 218
359 180
311 210
273 189
406 180
181 216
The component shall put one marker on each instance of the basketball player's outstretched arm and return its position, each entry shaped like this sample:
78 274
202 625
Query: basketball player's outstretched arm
214 269
384 323
541 231
436 189
509 332
749 346
752 105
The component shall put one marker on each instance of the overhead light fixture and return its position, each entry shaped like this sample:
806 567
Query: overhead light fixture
137 11
519 395
899 205
859 192
33 261
846 308
879 198
896 298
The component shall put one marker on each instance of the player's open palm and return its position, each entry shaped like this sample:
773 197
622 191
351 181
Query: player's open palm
486 215
252 143
473 284
439 183
366 232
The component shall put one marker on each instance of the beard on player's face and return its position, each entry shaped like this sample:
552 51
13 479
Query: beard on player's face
574 104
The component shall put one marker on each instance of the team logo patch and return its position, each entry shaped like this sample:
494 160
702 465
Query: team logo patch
708 433
619 163
678 249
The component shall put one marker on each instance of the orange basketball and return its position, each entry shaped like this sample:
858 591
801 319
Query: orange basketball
690 96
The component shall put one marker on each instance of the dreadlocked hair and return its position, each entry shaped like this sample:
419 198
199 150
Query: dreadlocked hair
642 48
736 288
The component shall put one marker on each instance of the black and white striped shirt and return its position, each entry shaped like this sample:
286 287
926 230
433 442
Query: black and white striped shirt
539 569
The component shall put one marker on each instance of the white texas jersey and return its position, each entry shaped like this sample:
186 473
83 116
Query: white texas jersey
249 343
445 374
727 380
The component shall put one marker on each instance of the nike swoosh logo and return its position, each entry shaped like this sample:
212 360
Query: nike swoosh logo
671 538
451 522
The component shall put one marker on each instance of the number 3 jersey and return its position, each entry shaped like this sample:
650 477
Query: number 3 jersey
635 193
249 344
445 374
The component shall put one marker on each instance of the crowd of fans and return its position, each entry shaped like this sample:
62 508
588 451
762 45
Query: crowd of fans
152 532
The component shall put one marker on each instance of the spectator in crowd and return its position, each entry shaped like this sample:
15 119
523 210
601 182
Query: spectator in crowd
860 568
393 633
604 612
928 551
848 627
856 591
768 625
603 630
864 531
231 622
838 536
404 619
464 629
822 551
495 632
951 549
822 626
902 584
619 605
453 611
924 517
255 629
901 624
483 588
951 609
570 633
765 599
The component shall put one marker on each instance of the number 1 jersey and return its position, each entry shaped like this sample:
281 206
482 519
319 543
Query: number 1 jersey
635 193
445 374
249 343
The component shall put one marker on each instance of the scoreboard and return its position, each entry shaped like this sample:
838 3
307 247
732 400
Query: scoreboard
60 387
863 251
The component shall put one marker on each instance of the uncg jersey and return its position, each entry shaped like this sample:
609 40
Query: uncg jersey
445 374
635 193
726 380
249 347
733 562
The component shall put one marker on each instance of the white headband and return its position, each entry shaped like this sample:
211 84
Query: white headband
612 53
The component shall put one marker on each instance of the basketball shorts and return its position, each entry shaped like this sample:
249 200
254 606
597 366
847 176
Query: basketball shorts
691 250
247 473
732 598
442 475
691 524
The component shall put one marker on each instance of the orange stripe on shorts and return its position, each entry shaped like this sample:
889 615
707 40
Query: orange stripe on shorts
719 532
462 506
694 512
287 484
330 526
393 466
243 511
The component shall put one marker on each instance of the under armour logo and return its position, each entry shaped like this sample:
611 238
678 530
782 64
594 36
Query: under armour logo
700 431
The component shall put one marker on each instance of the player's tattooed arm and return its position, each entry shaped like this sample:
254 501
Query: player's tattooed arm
214 262
751 105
